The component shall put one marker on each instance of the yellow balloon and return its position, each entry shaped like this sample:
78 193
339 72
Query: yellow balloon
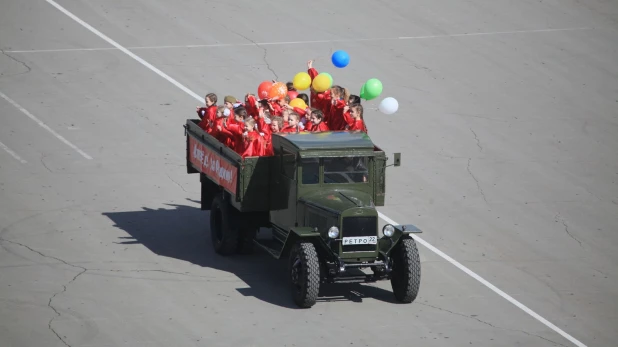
321 83
301 81
298 102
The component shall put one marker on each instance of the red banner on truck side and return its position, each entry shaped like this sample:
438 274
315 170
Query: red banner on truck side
211 164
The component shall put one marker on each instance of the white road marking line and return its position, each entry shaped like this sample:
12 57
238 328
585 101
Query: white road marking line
296 42
13 154
124 50
383 216
490 33
488 285
44 126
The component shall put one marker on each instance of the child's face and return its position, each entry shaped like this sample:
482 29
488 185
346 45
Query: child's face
354 113
292 121
209 102
229 105
238 118
275 127
219 114
315 120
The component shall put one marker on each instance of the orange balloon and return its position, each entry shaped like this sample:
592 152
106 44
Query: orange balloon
278 91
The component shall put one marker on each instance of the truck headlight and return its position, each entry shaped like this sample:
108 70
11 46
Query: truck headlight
333 232
388 230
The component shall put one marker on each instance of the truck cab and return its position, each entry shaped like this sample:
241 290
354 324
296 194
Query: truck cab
325 181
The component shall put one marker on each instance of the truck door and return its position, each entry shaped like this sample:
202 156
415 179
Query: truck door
284 189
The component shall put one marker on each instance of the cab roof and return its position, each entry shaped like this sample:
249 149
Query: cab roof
328 140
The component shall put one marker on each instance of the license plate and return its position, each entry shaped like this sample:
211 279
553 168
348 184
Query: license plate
364 240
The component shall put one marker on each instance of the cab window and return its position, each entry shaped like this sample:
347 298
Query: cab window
311 170
346 170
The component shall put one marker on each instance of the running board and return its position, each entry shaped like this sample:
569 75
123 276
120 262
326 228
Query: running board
273 248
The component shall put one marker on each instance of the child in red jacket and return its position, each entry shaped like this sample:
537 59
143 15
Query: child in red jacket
293 124
354 99
209 113
356 111
253 144
336 120
317 124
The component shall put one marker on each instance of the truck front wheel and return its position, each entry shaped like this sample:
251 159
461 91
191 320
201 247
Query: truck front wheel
304 267
223 226
406 274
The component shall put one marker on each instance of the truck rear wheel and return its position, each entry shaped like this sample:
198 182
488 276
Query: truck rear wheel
223 226
304 267
406 274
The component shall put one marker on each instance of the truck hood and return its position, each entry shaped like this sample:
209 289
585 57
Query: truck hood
338 200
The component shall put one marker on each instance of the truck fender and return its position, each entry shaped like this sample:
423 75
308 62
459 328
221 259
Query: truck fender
299 233
303 232
408 229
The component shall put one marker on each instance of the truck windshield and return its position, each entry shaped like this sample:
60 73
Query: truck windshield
346 170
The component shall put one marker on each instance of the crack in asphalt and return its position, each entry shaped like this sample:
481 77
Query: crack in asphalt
64 286
264 58
566 228
477 182
178 184
45 165
478 142
64 289
491 325
19 61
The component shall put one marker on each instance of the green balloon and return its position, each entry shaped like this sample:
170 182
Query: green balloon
362 93
373 88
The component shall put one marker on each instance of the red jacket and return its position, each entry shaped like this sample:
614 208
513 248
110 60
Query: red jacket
336 120
253 145
208 112
300 111
291 129
234 132
252 107
320 127
348 118
358 125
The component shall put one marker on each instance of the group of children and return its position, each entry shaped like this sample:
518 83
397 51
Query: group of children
247 127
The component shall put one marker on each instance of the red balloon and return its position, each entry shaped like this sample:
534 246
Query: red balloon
292 94
263 89
278 91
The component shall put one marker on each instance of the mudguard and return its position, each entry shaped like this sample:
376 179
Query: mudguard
407 229
305 232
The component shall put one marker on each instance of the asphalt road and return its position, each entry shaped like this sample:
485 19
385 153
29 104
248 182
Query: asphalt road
507 125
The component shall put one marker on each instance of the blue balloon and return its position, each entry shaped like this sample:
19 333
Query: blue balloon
340 59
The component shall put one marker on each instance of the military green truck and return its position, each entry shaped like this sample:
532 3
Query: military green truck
318 195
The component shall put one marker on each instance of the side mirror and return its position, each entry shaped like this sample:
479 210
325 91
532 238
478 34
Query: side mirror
397 159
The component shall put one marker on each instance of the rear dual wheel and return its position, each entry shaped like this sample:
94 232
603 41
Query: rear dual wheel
229 232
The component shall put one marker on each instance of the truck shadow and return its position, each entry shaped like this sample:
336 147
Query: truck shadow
183 233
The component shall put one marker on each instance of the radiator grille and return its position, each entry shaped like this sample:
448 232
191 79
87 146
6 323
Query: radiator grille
359 226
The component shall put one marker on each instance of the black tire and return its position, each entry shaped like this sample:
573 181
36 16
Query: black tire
304 269
406 274
223 226
245 239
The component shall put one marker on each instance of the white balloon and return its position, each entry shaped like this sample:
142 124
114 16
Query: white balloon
389 105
